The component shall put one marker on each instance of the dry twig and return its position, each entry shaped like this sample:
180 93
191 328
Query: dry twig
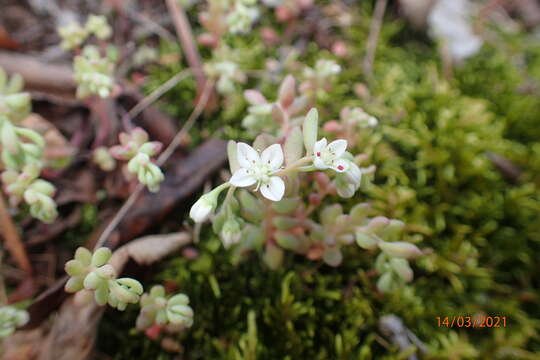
183 30
373 38
12 240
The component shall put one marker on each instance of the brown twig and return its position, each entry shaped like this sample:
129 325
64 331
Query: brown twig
3 294
40 76
160 161
12 240
185 35
373 38
157 93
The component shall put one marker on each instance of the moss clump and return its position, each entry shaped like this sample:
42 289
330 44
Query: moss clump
434 174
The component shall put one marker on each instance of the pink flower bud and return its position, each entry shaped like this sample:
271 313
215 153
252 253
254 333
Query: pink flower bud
340 49
333 127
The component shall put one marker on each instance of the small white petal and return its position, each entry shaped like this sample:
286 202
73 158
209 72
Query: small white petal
241 178
337 147
247 156
319 164
319 146
340 165
274 190
272 156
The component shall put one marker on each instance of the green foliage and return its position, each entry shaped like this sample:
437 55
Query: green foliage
435 175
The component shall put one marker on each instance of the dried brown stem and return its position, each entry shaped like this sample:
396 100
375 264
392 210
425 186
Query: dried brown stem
12 240
156 94
39 76
185 35
373 38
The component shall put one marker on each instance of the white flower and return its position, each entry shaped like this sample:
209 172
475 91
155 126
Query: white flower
363 119
450 20
255 169
201 210
329 156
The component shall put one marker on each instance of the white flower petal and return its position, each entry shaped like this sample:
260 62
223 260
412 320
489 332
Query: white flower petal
319 163
340 165
319 147
272 156
337 147
274 189
247 156
241 178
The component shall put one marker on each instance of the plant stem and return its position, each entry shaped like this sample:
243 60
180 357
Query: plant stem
12 239
294 166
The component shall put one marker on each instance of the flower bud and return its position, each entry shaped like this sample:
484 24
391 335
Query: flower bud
73 35
10 319
230 233
97 24
201 210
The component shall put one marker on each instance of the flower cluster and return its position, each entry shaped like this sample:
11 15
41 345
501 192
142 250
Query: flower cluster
37 193
138 151
22 152
103 158
288 10
157 309
225 69
222 16
318 80
277 186
10 319
243 14
91 272
74 35
264 116
93 73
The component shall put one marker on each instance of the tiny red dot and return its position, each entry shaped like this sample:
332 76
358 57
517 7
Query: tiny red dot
318 154
340 167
